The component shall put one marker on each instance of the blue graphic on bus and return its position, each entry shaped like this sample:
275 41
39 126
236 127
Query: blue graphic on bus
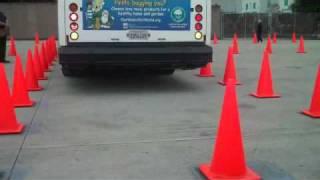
136 14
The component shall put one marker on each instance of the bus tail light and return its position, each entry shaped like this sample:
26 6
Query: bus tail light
198 26
74 17
74 26
74 36
73 7
199 8
198 35
198 17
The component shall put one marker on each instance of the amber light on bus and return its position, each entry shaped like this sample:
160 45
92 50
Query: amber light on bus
74 36
198 35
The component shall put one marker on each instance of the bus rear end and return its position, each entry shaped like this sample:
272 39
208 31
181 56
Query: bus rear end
140 34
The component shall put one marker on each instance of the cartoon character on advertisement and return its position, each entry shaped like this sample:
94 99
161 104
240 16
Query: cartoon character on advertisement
89 13
106 19
101 17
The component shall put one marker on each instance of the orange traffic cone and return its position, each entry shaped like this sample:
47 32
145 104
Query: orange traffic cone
230 70
314 110
275 38
54 49
254 38
269 45
36 39
294 38
235 35
12 47
206 71
8 120
38 65
20 95
45 58
228 161
32 82
236 49
215 39
301 49
265 84
50 51
53 46
43 65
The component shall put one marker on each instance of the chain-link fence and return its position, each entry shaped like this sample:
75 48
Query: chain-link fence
244 24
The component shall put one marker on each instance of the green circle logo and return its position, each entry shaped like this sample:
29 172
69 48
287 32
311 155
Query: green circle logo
178 14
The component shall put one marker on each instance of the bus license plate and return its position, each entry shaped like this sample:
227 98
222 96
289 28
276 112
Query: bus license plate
138 35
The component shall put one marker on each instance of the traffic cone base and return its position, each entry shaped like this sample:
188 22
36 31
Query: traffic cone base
205 76
9 123
224 83
205 170
17 130
36 89
43 78
29 104
206 71
311 114
301 52
265 96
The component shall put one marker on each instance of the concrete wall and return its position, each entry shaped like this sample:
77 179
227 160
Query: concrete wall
27 18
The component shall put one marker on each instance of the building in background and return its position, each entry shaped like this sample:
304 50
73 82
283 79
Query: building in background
26 17
254 6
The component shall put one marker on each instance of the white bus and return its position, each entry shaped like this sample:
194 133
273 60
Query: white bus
157 35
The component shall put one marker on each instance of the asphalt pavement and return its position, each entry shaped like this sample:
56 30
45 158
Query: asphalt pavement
143 127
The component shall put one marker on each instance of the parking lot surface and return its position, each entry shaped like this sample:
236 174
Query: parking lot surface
140 127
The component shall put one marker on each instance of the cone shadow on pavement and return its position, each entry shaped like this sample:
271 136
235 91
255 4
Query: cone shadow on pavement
228 161
8 120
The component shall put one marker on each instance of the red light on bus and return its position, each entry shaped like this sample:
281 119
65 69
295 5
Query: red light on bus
198 26
73 7
199 17
74 26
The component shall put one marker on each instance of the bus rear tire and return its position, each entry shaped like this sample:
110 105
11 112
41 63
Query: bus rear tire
67 72
167 72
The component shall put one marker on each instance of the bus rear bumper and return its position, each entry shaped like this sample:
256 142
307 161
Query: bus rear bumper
166 57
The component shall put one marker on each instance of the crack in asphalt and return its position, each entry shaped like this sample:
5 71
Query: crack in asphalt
27 131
